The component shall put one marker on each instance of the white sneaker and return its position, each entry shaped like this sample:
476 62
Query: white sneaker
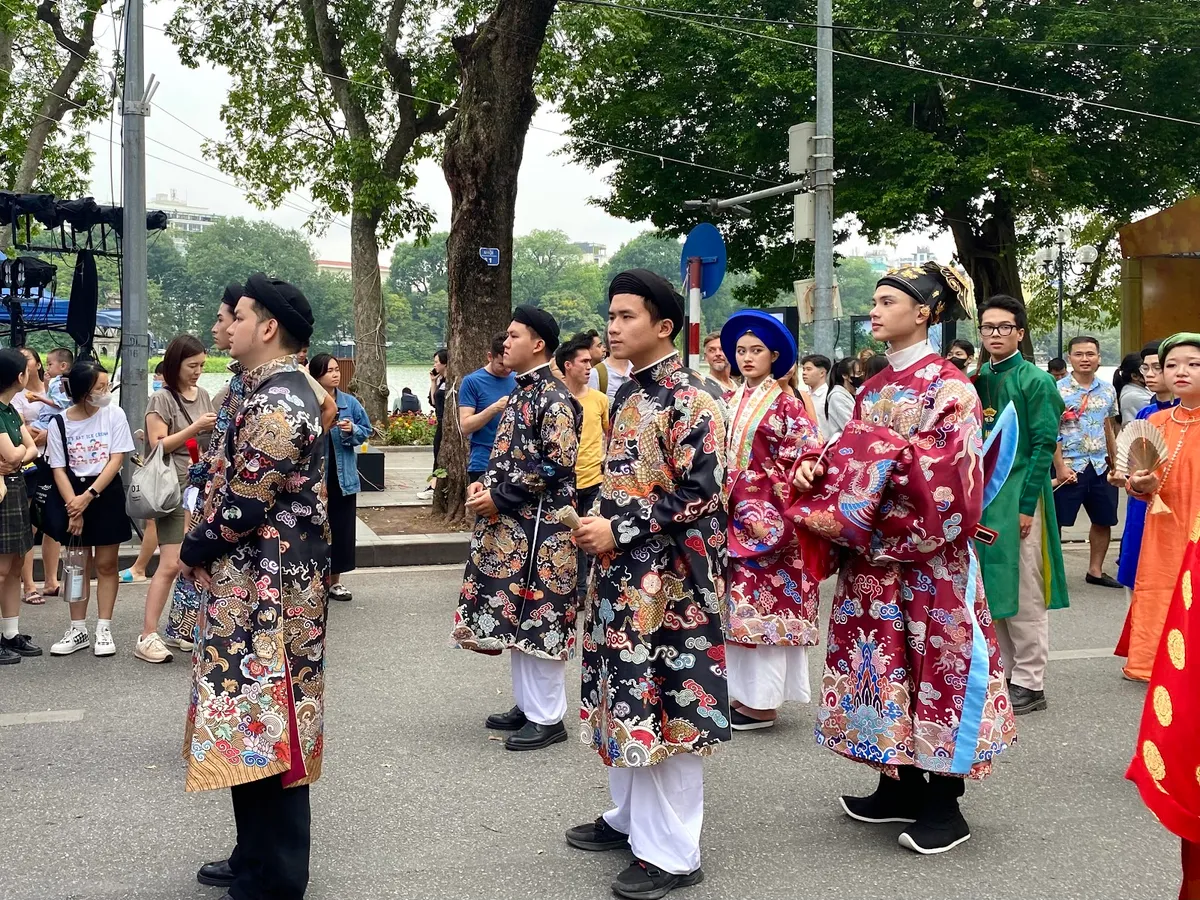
179 644
150 648
105 646
75 639
426 494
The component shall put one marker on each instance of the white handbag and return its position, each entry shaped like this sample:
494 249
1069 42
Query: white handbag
154 488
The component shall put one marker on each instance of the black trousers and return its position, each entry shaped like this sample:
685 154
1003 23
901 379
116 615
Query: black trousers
270 861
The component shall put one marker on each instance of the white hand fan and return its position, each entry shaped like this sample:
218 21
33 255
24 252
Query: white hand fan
1140 446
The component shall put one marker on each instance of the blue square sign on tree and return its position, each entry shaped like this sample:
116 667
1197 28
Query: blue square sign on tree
490 255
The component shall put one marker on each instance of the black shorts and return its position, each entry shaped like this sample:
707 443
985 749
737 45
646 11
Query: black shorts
1092 491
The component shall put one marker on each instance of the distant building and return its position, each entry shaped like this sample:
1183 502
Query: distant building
597 254
182 219
338 267
878 259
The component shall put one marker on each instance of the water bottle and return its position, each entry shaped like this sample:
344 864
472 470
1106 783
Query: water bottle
74 582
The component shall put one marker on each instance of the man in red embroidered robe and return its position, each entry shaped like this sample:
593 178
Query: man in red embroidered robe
914 684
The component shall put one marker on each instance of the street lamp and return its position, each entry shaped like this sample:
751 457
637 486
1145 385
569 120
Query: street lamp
1056 259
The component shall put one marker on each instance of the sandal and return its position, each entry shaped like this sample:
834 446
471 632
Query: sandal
33 598
127 577
55 591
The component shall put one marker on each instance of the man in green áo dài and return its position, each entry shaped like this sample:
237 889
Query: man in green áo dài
1019 550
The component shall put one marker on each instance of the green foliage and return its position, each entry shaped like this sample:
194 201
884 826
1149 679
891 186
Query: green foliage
409 430
34 67
856 285
316 99
914 151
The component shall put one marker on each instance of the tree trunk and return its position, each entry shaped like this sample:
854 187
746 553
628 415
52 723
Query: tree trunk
988 250
370 318
484 147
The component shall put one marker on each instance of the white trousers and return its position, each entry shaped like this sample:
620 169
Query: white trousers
661 808
764 677
1025 637
539 687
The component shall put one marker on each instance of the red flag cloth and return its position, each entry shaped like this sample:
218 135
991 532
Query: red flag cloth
1166 762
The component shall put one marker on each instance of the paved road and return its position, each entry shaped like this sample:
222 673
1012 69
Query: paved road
417 802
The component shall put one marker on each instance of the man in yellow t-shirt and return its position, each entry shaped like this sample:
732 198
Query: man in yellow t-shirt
574 360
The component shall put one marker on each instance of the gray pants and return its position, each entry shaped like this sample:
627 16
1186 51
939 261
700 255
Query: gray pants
1025 637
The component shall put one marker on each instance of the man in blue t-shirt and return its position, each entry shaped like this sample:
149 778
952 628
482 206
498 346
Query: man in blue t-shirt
482 396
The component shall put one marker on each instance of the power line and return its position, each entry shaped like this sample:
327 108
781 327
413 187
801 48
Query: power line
941 35
895 64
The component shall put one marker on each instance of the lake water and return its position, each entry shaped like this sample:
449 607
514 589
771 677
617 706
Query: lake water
417 378
398 377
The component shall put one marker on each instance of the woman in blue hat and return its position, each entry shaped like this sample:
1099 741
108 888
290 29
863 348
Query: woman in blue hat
773 587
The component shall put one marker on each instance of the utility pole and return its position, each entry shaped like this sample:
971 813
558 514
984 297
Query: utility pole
135 335
824 332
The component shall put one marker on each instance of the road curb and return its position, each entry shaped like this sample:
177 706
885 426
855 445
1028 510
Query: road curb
387 550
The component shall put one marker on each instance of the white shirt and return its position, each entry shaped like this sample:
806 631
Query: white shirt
818 395
616 379
91 441
902 359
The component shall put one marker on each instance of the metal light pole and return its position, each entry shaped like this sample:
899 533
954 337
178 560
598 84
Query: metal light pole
135 336
1056 259
824 332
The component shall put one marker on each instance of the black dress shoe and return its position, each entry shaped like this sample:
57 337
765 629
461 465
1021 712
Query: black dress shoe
533 736
8 658
20 645
506 721
1104 580
598 835
216 874
1025 700
642 881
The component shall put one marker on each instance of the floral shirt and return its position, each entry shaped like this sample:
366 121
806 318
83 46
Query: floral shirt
1081 430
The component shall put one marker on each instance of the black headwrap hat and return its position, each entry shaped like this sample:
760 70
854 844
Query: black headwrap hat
233 293
540 322
947 293
285 302
656 289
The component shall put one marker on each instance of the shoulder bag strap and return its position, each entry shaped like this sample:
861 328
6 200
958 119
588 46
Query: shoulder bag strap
179 403
62 435
602 376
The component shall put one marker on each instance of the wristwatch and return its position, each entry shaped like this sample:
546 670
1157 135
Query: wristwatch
94 492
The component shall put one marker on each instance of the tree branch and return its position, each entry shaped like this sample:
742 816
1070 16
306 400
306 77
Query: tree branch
47 12
327 44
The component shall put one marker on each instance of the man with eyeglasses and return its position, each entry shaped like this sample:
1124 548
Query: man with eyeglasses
1086 445
1020 555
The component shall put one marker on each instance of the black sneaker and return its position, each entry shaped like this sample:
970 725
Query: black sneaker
506 721
8 658
936 833
1103 580
642 881
598 835
20 645
739 721
533 736
893 801
1025 700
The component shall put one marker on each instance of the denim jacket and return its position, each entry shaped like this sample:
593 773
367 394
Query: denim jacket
344 443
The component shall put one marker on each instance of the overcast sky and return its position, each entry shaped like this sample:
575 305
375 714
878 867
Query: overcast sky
553 192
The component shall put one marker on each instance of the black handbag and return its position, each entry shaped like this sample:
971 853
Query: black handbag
39 482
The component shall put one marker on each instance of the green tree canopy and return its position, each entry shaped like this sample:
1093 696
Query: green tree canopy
914 150
49 70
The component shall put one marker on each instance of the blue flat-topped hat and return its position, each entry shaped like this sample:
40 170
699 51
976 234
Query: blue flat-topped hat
767 329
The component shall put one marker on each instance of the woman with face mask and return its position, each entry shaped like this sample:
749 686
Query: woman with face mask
961 354
86 446
844 381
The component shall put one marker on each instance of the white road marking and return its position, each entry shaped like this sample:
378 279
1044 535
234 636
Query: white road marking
49 717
